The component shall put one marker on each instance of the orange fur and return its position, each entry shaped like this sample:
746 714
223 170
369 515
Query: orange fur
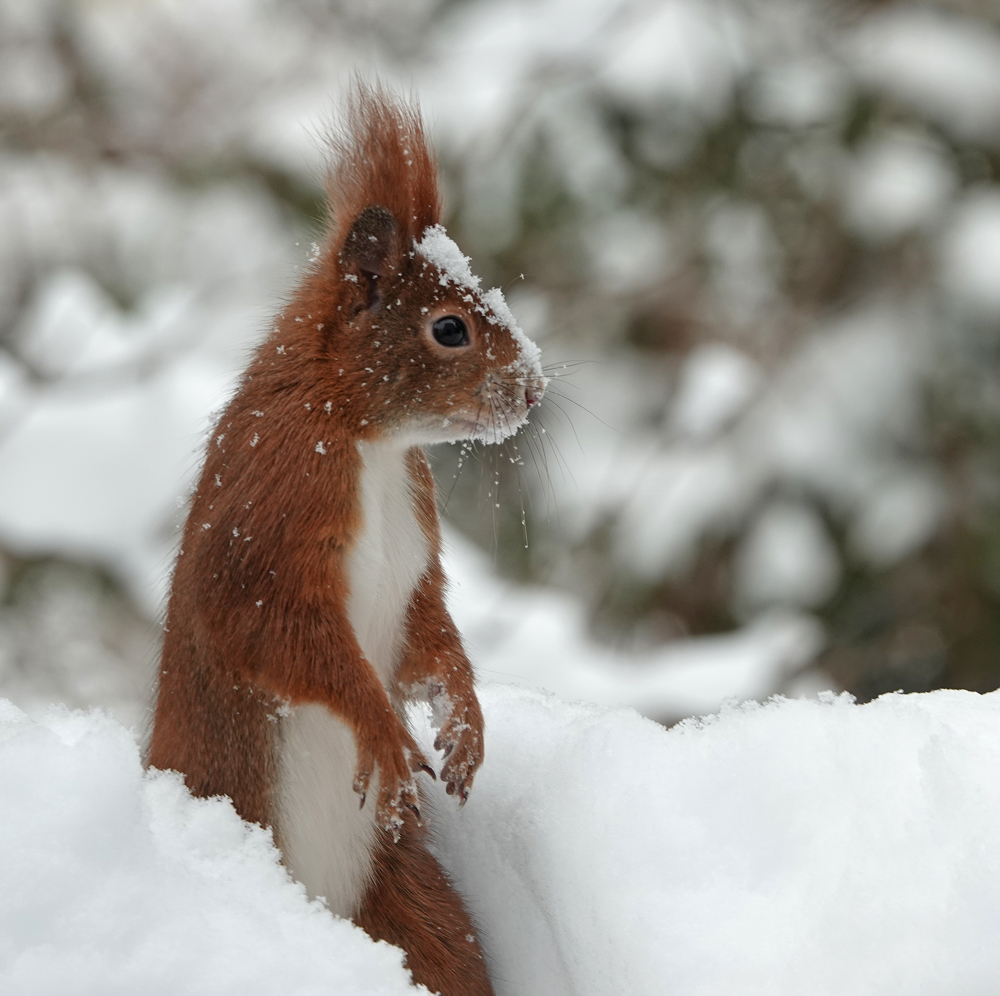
258 618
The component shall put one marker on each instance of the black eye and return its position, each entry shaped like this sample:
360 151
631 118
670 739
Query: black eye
450 331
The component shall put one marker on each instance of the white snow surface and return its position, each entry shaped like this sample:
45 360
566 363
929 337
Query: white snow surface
600 853
740 855
116 881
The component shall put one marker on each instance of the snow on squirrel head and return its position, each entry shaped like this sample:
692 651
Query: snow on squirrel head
424 353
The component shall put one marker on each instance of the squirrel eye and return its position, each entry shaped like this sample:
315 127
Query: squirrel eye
450 331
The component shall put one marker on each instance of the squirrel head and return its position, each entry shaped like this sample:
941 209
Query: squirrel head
411 344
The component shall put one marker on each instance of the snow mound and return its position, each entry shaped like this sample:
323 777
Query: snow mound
116 881
796 847
601 854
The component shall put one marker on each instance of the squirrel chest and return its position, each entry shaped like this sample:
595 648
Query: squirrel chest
326 838
388 557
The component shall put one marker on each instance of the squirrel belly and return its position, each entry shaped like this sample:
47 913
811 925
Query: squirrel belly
326 839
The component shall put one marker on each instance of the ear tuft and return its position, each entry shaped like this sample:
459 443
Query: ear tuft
381 166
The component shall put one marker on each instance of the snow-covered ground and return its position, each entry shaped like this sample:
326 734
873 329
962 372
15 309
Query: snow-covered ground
795 847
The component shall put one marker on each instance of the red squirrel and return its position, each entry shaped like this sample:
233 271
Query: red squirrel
308 600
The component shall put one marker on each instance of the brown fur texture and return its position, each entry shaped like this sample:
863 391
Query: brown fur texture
411 904
257 619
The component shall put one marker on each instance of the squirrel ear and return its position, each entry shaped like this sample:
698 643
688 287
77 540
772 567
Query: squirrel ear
368 247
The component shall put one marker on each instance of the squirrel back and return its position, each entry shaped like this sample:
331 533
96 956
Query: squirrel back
307 605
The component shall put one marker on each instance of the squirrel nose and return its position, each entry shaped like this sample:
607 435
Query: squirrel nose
533 394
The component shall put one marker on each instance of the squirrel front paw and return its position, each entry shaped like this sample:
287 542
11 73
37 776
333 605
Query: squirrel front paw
396 761
460 738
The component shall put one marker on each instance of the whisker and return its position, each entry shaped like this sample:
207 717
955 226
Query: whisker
573 401
520 493
540 457
565 415
505 399
565 367
464 451
535 442
494 495
557 450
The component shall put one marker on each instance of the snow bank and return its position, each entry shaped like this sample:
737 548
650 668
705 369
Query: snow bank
118 882
601 853
797 847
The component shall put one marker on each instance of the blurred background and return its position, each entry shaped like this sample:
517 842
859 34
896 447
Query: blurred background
757 240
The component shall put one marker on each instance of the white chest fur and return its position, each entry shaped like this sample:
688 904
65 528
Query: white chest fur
388 558
327 840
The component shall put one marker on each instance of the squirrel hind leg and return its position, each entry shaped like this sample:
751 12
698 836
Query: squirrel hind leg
412 904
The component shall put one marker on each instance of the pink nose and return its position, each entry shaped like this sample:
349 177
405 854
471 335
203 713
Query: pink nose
532 396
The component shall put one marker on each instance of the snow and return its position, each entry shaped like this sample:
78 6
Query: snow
745 257
741 855
115 463
630 251
786 557
98 445
842 400
687 52
945 65
970 254
671 498
798 92
899 181
600 853
537 638
116 881
716 383
32 81
65 636
899 517
439 249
